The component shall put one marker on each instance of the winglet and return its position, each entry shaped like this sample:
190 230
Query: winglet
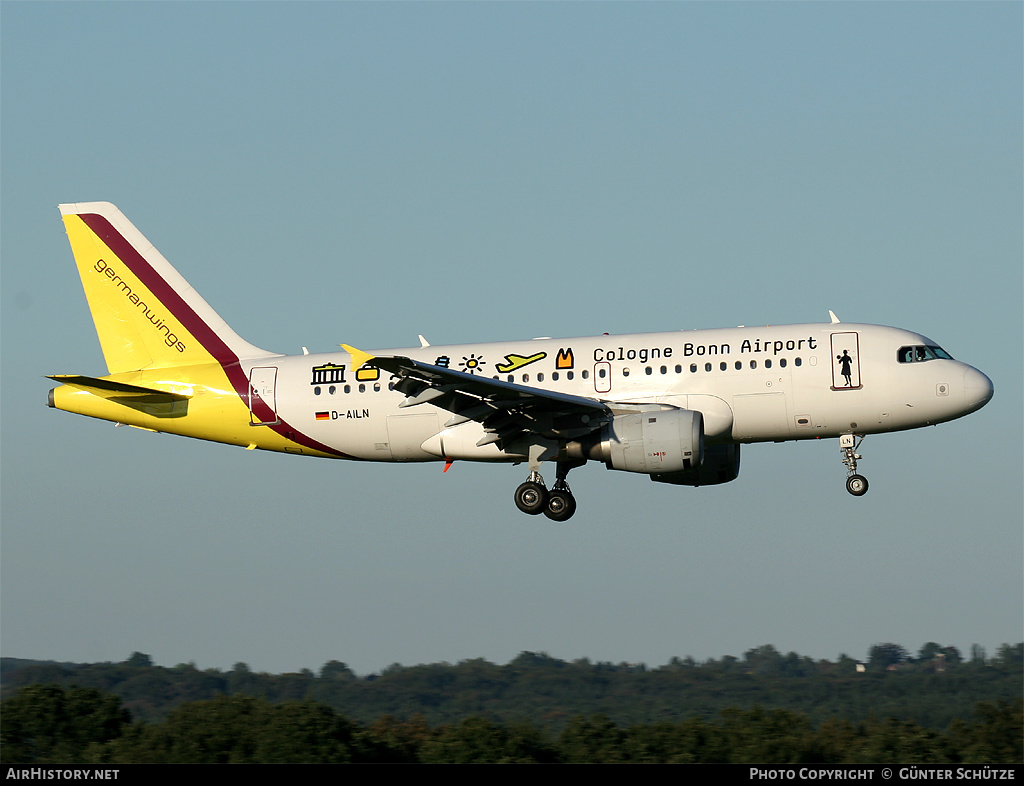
359 358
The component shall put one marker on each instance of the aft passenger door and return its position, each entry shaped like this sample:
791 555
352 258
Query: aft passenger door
263 396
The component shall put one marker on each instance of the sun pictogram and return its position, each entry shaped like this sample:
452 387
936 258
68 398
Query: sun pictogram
472 364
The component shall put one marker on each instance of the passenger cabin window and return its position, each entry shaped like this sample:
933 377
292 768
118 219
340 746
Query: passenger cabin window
920 354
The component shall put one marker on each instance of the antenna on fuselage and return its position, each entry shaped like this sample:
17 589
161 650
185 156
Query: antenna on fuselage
834 318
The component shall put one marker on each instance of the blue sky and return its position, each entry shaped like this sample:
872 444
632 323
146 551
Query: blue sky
363 172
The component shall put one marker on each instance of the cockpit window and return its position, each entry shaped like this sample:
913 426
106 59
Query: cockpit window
919 354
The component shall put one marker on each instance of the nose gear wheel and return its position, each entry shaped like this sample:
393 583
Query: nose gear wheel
855 484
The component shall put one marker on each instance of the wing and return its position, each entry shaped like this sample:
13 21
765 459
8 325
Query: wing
506 410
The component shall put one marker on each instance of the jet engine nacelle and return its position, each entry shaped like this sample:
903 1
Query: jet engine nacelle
653 441
720 465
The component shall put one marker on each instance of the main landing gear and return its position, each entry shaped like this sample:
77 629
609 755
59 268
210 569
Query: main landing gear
855 484
558 504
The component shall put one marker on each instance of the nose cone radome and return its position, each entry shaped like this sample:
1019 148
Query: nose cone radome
977 389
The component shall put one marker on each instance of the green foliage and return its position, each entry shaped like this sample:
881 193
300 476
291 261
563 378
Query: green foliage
902 741
477 740
997 736
242 730
595 740
928 651
53 725
57 725
885 656
796 709
336 670
760 735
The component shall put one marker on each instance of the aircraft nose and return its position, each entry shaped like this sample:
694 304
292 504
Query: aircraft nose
977 389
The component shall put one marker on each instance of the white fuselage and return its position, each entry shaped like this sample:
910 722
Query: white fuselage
770 383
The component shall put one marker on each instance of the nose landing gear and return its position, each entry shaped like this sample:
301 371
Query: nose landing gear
855 484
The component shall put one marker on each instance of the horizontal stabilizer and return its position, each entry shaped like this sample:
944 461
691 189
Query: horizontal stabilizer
106 387
159 403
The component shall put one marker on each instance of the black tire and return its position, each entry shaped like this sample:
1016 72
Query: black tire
561 505
531 498
857 485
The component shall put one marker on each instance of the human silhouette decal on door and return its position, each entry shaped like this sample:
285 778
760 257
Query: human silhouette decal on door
846 365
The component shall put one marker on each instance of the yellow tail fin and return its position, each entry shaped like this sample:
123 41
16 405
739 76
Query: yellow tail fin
146 314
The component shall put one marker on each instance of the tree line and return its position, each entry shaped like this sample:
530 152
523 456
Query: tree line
932 689
42 724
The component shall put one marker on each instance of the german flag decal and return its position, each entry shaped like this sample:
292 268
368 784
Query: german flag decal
323 415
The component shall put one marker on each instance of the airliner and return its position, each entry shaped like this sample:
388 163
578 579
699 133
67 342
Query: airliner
673 406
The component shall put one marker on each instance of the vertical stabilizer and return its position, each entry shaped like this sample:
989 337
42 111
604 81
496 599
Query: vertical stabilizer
146 314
